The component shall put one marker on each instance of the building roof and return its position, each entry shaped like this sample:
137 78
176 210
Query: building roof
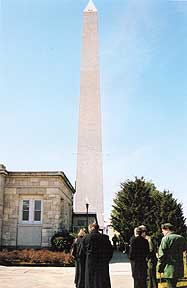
42 174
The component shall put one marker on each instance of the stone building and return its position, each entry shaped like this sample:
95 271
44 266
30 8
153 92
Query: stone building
32 206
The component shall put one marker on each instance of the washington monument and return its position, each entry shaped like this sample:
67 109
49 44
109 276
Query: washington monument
89 181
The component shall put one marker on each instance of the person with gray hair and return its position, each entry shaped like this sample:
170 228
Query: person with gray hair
152 260
139 251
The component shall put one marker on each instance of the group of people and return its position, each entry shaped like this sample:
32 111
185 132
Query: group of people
144 259
92 253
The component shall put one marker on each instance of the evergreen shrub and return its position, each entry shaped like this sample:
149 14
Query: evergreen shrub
62 240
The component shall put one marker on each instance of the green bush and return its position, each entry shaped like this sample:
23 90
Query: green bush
62 241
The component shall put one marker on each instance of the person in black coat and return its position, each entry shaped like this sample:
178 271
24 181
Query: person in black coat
98 251
107 256
138 254
79 255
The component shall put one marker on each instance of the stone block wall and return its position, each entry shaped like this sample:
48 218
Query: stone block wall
3 174
52 188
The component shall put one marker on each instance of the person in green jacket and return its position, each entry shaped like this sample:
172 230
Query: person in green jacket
170 255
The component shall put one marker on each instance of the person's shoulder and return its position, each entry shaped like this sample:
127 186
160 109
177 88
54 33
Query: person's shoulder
137 240
105 236
146 240
143 240
93 234
86 237
173 235
180 238
140 238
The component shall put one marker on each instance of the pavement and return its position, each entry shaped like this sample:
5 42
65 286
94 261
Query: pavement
62 277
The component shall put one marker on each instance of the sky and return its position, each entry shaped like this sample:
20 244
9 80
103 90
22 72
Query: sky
143 71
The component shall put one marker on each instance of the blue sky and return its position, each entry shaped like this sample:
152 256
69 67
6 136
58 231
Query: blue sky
143 46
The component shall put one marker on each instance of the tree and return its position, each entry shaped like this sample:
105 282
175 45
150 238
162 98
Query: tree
139 202
172 211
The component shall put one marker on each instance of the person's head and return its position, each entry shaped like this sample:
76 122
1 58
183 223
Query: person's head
93 226
139 231
144 230
167 228
81 233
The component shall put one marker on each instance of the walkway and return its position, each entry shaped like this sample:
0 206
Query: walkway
120 271
50 277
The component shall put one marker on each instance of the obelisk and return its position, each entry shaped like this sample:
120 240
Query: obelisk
89 181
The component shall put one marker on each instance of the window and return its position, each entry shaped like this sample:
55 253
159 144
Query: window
81 223
25 211
37 210
31 211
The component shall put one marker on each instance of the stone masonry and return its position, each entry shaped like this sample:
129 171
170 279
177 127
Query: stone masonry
89 180
56 193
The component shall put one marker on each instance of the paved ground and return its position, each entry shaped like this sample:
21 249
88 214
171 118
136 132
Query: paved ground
57 277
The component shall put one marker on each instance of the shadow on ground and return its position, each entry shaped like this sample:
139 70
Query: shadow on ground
119 257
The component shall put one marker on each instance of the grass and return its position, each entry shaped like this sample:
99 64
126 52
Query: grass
182 282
